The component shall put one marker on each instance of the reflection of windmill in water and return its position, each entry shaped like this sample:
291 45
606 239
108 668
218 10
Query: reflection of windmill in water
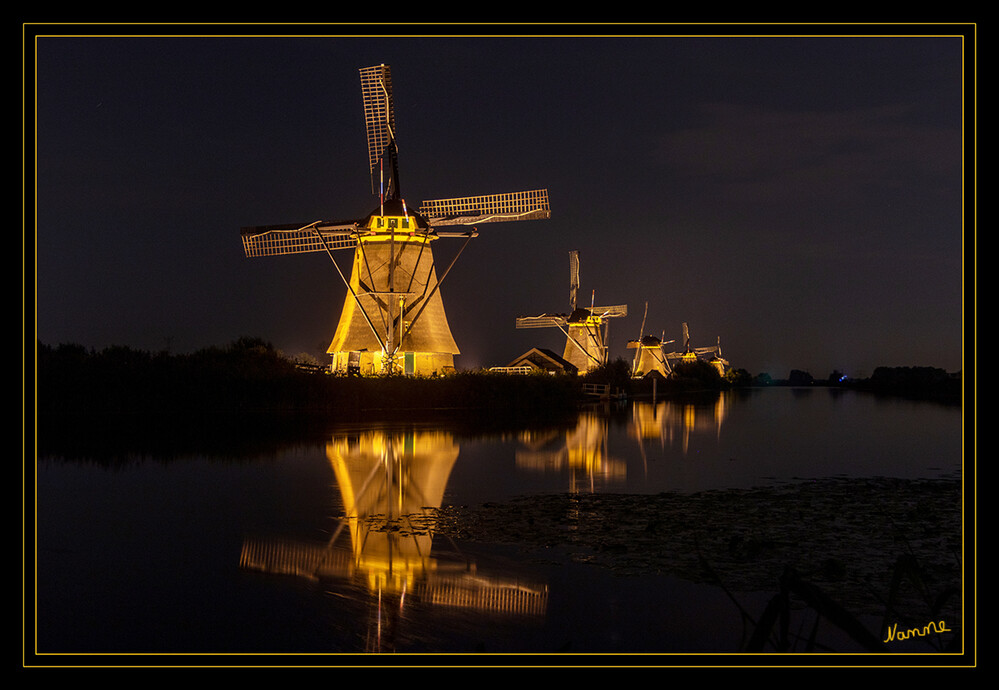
585 328
393 317
676 420
390 484
581 450
711 355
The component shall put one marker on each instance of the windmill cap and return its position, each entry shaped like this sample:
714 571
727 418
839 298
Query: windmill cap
395 207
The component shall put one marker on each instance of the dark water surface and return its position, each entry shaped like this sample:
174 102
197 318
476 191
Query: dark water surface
588 539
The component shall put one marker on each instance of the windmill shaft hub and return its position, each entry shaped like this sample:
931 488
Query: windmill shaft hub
405 236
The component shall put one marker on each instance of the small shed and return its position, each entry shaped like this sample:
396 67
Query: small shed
542 359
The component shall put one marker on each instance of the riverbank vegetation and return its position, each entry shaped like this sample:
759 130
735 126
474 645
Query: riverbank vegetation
251 376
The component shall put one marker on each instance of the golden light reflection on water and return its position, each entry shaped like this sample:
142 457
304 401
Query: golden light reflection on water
391 483
672 422
581 450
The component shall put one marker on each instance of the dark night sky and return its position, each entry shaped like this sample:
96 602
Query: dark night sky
800 197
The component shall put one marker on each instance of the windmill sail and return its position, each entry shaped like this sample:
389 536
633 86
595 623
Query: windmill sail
542 321
379 123
573 279
296 238
493 208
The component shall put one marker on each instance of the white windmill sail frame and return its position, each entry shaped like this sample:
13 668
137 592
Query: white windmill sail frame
542 321
490 208
379 113
294 239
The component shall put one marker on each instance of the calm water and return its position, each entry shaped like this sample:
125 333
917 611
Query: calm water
231 553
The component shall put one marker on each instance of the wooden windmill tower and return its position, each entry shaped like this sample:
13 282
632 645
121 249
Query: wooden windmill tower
393 317
585 328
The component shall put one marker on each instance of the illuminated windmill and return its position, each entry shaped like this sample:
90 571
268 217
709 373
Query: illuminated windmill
649 355
393 317
712 355
585 328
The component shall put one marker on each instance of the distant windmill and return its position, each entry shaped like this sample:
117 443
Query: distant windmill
649 355
393 317
585 328
712 355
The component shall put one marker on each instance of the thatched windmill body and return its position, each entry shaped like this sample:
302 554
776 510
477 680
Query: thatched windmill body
393 317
